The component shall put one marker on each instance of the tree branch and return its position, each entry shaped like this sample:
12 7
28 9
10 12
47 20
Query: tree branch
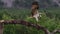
22 22
55 31
29 24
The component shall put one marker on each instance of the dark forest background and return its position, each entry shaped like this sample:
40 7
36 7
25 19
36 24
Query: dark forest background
27 3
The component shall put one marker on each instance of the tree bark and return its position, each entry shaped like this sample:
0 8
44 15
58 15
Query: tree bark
29 24
1 28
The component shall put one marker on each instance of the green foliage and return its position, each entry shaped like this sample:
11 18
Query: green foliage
8 14
6 17
50 24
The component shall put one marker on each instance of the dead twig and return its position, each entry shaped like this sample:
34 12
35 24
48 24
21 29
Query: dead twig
22 22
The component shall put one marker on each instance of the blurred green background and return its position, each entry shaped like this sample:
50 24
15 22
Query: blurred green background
21 9
50 23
